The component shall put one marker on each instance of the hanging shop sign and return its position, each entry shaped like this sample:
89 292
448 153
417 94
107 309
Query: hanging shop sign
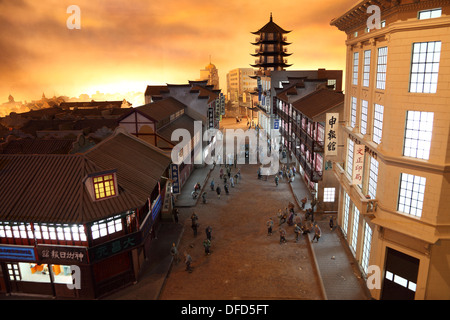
358 163
16 253
62 254
115 246
174 175
331 134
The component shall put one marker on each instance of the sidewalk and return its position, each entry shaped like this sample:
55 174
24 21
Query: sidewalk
201 175
338 268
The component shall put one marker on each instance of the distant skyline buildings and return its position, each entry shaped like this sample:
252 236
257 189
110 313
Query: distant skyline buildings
111 55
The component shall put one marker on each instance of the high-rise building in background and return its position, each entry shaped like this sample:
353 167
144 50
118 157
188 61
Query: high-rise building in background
210 73
394 182
240 85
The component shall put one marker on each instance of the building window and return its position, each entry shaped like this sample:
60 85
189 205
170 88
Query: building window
104 186
366 69
425 67
353 112
364 111
430 14
418 132
351 146
355 68
105 227
381 68
355 228
346 211
373 177
328 194
378 123
411 195
366 247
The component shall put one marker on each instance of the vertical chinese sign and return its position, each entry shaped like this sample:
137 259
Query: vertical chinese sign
174 175
358 163
331 134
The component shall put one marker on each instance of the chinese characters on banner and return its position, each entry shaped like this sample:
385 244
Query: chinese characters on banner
331 134
358 163
174 175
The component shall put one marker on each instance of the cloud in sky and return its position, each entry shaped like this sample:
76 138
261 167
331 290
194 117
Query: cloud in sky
125 45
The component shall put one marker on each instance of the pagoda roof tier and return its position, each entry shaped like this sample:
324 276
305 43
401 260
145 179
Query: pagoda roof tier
273 53
271 65
271 27
284 43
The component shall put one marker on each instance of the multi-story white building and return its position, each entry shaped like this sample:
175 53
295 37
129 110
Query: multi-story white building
240 85
394 203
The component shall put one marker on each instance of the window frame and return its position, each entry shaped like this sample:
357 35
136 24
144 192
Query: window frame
329 194
373 178
112 185
416 196
353 111
421 79
416 130
366 68
377 132
355 68
364 116
381 68
366 247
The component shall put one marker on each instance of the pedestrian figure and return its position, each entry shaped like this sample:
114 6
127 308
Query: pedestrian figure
225 187
174 253
269 226
208 231
204 197
291 218
316 233
194 218
304 202
282 236
207 245
195 228
297 231
187 262
175 215
212 184
221 173
276 180
331 223
218 190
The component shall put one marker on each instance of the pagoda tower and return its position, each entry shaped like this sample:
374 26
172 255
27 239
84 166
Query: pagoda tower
270 51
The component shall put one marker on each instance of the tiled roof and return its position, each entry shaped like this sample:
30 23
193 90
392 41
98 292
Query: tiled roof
161 109
271 27
37 146
318 102
183 122
50 188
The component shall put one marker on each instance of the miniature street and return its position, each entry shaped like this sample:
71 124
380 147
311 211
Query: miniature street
244 262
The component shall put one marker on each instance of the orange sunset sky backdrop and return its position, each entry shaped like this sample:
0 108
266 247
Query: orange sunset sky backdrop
123 46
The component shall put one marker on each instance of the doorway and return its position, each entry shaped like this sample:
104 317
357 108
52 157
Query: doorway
400 277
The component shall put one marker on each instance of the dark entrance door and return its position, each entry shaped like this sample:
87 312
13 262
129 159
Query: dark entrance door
400 276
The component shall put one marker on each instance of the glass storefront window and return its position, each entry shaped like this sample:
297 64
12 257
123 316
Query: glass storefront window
33 272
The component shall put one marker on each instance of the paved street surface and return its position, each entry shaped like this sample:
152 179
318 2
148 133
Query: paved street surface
245 263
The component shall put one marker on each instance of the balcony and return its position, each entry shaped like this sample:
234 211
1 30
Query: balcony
365 205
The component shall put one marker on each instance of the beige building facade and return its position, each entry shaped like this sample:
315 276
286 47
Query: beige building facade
394 206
